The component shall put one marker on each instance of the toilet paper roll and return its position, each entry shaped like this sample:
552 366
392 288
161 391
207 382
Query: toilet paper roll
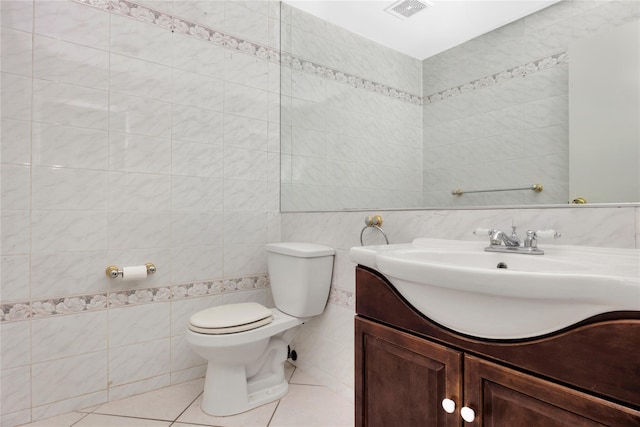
135 272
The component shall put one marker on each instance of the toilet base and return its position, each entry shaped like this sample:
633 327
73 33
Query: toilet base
233 389
213 404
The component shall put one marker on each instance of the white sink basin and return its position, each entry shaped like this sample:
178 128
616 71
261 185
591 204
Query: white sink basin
459 285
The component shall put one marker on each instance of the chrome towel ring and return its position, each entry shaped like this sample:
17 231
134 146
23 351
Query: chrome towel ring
373 222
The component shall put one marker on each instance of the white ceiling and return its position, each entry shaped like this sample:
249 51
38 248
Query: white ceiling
444 24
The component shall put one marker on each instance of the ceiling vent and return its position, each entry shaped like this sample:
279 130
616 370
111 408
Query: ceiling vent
405 9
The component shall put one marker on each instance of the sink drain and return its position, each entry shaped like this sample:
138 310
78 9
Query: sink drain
502 265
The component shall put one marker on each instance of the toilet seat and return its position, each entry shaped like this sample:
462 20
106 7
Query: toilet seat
230 318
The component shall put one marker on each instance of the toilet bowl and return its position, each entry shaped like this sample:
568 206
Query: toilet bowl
245 344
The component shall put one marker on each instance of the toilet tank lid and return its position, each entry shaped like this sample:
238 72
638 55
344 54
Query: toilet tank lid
300 249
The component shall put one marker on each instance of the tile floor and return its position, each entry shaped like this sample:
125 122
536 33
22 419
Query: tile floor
308 404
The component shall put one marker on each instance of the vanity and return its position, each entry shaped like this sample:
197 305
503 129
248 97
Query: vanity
412 370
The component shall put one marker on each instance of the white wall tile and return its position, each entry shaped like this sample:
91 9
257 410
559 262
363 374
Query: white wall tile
16 52
244 259
139 153
197 56
137 230
15 136
67 405
197 194
246 23
69 377
245 164
76 274
196 159
210 14
72 22
197 125
245 196
138 387
16 96
72 147
61 231
59 188
16 418
243 227
139 361
15 186
133 325
65 104
139 192
197 228
182 355
70 63
246 70
128 114
197 90
17 14
247 133
15 278
138 77
140 40
70 335
245 101
15 349
15 232
15 385
198 263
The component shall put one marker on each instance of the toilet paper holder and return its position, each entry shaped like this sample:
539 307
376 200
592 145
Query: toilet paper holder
113 271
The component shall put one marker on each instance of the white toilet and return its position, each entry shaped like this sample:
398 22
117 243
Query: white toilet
246 344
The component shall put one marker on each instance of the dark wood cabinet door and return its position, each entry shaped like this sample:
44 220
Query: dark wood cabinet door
502 397
401 380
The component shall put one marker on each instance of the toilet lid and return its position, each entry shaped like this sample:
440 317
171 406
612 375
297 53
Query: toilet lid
230 318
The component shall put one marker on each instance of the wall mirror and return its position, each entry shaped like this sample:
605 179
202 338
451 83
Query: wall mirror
368 126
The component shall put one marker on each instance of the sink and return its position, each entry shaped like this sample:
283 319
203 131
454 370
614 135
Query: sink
507 296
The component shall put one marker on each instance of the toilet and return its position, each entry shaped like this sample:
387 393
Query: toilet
245 344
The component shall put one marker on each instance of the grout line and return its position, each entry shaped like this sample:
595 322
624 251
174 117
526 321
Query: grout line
185 409
85 415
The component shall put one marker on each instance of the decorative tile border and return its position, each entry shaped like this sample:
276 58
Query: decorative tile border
493 79
341 297
178 25
350 79
84 303
220 38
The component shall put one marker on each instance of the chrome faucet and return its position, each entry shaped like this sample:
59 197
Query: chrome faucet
502 242
498 237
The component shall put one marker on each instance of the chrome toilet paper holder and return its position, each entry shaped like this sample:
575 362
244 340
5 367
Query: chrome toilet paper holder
113 271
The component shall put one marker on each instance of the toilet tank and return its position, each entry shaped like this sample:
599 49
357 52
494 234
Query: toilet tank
300 277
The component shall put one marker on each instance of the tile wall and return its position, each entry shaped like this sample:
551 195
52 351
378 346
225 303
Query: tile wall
501 119
131 133
351 122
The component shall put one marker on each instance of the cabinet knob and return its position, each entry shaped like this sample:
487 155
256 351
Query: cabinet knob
449 406
468 414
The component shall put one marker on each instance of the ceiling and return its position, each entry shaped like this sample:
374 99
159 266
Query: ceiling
444 24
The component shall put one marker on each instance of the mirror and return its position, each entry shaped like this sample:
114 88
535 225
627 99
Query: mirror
364 126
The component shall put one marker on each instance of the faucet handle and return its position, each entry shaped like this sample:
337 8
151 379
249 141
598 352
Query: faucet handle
548 234
483 232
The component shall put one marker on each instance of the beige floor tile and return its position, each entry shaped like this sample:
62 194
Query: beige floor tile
313 406
258 417
97 420
303 378
64 420
163 404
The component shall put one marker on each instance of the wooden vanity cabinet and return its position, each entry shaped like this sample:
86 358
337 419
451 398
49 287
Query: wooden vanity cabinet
406 365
